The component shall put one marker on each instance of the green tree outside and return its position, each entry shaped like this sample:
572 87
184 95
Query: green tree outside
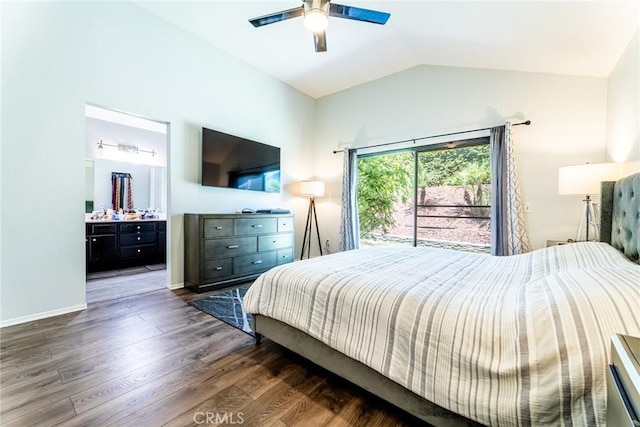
388 178
381 181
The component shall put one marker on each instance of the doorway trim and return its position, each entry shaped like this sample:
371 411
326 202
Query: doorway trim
140 119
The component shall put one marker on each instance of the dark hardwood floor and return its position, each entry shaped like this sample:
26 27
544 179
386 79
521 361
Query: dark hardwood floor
153 360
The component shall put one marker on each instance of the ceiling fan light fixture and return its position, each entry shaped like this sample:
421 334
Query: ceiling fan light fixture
316 15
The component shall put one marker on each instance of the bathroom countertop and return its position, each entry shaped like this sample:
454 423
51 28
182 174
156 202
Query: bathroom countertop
93 221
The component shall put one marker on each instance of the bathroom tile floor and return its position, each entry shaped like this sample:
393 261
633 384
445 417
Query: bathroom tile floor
125 271
115 284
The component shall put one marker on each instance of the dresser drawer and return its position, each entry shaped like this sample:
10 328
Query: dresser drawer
218 227
137 251
137 227
217 268
274 241
285 224
101 228
137 239
252 226
254 263
229 247
285 256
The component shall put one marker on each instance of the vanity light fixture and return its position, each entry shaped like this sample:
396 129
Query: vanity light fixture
130 149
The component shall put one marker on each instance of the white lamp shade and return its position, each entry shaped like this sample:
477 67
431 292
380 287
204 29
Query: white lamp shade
312 188
585 179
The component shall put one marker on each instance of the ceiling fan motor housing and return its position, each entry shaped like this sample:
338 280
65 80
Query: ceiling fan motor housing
316 15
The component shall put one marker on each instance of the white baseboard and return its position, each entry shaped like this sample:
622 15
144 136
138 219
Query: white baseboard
43 315
175 286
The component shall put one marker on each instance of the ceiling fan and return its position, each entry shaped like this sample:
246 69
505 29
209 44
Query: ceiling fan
316 17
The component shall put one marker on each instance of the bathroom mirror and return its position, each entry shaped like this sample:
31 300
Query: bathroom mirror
148 184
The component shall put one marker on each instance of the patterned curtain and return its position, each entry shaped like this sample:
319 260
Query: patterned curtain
121 190
508 235
349 223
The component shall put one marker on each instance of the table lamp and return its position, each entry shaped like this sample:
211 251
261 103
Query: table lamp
586 180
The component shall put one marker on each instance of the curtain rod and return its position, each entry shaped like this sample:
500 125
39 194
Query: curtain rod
527 123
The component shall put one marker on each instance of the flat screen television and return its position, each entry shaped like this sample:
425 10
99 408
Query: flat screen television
234 162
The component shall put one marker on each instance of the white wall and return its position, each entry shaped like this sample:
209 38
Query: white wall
58 56
623 106
568 116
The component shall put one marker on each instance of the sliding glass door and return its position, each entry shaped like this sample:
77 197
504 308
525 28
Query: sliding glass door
385 199
434 196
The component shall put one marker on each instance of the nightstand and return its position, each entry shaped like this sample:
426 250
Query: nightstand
558 242
623 382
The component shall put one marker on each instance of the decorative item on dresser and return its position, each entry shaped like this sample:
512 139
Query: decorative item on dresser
221 250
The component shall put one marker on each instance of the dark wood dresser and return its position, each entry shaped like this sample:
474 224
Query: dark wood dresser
222 250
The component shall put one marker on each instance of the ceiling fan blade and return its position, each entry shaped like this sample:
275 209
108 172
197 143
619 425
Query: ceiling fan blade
320 41
358 14
277 17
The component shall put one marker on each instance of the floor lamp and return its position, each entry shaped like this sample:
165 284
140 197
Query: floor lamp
586 180
311 189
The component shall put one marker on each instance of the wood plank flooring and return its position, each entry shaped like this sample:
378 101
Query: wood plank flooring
153 360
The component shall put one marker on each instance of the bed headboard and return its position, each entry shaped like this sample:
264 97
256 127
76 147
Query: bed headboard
620 215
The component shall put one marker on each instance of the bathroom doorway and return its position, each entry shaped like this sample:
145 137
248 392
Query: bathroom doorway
126 204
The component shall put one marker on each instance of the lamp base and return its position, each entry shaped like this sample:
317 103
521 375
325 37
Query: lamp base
588 228
306 241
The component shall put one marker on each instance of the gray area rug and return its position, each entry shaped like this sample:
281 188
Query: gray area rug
227 306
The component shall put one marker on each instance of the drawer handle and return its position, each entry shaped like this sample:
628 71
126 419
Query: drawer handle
139 250
218 268
95 240
257 262
138 227
138 238
257 225
232 247
275 241
218 228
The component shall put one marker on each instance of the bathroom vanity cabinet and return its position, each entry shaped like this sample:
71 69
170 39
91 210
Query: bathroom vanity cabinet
123 244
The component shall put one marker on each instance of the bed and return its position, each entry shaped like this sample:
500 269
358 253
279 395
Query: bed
468 339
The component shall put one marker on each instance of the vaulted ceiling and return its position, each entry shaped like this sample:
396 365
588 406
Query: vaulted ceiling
583 38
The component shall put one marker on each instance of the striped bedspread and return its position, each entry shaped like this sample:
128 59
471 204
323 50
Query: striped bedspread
505 341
